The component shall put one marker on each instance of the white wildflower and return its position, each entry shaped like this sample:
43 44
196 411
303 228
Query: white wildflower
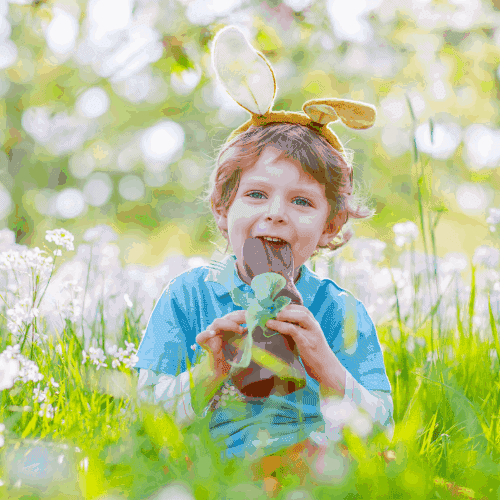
405 232
131 361
193 347
9 371
58 252
111 349
53 383
115 363
47 411
494 218
21 315
410 344
84 357
59 349
121 354
29 371
128 301
432 357
12 351
39 395
97 357
486 256
366 249
84 464
61 238
2 441
130 347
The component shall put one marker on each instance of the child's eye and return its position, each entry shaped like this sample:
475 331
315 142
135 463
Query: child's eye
307 202
254 192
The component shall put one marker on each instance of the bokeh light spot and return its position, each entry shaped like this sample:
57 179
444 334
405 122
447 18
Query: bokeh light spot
8 54
62 32
98 189
162 141
70 203
93 103
5 203
131 188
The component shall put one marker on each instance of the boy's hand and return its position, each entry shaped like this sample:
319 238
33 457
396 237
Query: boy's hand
212 339
298 322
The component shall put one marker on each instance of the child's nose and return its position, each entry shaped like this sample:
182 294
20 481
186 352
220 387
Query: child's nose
276 206
276 209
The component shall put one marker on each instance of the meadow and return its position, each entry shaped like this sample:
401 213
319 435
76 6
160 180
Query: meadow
73 427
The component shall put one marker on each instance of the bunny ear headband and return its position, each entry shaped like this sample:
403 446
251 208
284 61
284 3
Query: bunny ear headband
249 79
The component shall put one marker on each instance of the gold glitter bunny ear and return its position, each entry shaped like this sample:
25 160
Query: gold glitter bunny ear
353 114
248 78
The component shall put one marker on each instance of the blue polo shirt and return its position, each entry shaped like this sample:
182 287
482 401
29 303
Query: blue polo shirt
195 298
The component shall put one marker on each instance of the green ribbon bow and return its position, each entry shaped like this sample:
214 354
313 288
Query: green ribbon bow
261 305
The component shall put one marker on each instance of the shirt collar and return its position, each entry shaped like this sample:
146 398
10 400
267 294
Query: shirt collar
307 284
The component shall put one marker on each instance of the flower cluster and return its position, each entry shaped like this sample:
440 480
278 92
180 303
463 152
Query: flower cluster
47 410
96 356
61 238
405 232
21 315
70 301
43 396
493 219
127 356
486 256
9 370
14 367
30 260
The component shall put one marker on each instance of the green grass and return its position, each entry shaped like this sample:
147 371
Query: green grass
446 413
446 443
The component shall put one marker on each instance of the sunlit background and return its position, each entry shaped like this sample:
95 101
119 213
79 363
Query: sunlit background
110 112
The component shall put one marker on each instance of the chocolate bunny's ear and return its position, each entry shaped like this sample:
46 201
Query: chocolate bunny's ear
353 114
244 72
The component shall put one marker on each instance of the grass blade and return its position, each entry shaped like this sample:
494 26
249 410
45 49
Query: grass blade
494 330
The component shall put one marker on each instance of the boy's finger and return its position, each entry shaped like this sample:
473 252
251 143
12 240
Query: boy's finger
237 314
203 337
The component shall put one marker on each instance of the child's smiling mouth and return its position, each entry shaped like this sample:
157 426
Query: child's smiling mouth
274 241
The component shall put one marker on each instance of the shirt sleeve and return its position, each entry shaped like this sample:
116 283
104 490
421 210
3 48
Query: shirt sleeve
171 330
172 393
353 339
356 345
339 412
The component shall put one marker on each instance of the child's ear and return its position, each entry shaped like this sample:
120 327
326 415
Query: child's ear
220 215
332 228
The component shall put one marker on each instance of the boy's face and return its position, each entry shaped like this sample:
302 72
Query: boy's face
277 198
